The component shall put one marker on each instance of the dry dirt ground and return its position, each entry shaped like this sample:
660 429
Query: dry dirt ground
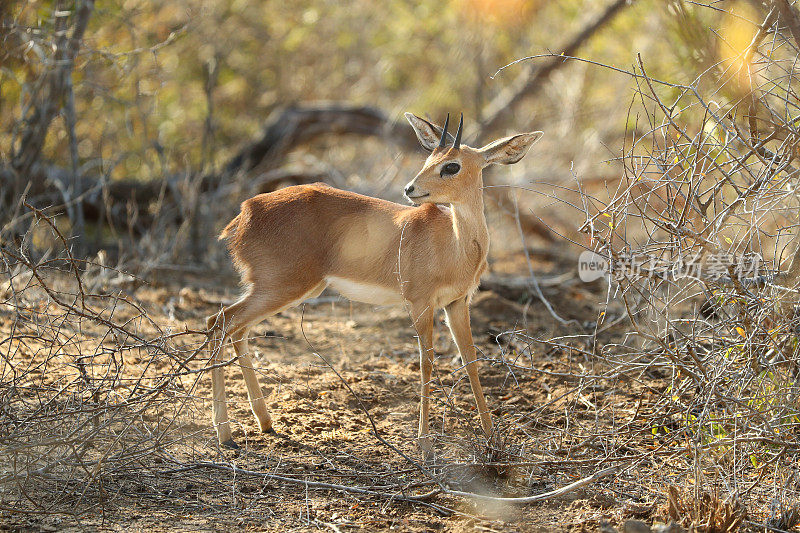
330 366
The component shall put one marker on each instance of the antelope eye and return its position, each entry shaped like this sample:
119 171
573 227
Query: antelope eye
449 169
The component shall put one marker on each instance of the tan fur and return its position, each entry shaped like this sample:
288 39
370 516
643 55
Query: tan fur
292 243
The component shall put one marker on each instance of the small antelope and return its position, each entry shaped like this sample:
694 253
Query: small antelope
289 245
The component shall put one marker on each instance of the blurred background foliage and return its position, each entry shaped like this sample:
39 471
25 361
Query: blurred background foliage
164 86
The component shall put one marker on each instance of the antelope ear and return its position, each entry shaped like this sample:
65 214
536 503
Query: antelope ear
428 134
509 149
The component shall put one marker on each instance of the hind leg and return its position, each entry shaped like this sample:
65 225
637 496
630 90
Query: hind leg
218 404
254 392
236 321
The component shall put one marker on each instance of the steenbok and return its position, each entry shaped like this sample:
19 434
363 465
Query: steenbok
292 243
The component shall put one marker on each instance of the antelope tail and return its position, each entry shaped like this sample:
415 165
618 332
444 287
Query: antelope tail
231 228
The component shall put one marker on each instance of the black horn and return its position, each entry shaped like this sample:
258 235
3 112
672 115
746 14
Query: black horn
457 143
443 142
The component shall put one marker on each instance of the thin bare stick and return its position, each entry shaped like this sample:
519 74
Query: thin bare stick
545 495
421 499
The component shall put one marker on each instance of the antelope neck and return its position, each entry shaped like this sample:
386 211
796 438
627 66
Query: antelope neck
469 221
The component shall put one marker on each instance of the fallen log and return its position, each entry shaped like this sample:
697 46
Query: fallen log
289 128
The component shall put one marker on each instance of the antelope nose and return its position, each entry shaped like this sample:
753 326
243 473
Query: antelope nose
409 189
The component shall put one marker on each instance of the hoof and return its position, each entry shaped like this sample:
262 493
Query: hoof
425 444
230 444
270 431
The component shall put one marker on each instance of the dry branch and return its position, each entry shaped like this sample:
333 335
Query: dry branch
420 499
533 77
54 87
297 125
545 495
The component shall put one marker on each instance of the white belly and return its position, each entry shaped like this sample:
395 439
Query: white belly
364 292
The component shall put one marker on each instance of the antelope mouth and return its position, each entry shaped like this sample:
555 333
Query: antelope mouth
414 198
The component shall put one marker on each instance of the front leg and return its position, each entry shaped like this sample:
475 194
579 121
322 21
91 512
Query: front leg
422 316
458 319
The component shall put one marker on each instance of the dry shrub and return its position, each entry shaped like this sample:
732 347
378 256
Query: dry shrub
701 239
92 390
704 514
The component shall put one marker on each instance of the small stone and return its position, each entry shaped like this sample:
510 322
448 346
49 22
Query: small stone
672 527
636 526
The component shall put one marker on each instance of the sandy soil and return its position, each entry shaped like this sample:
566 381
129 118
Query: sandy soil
330 366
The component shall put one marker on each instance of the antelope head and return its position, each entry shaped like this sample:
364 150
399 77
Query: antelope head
453 171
